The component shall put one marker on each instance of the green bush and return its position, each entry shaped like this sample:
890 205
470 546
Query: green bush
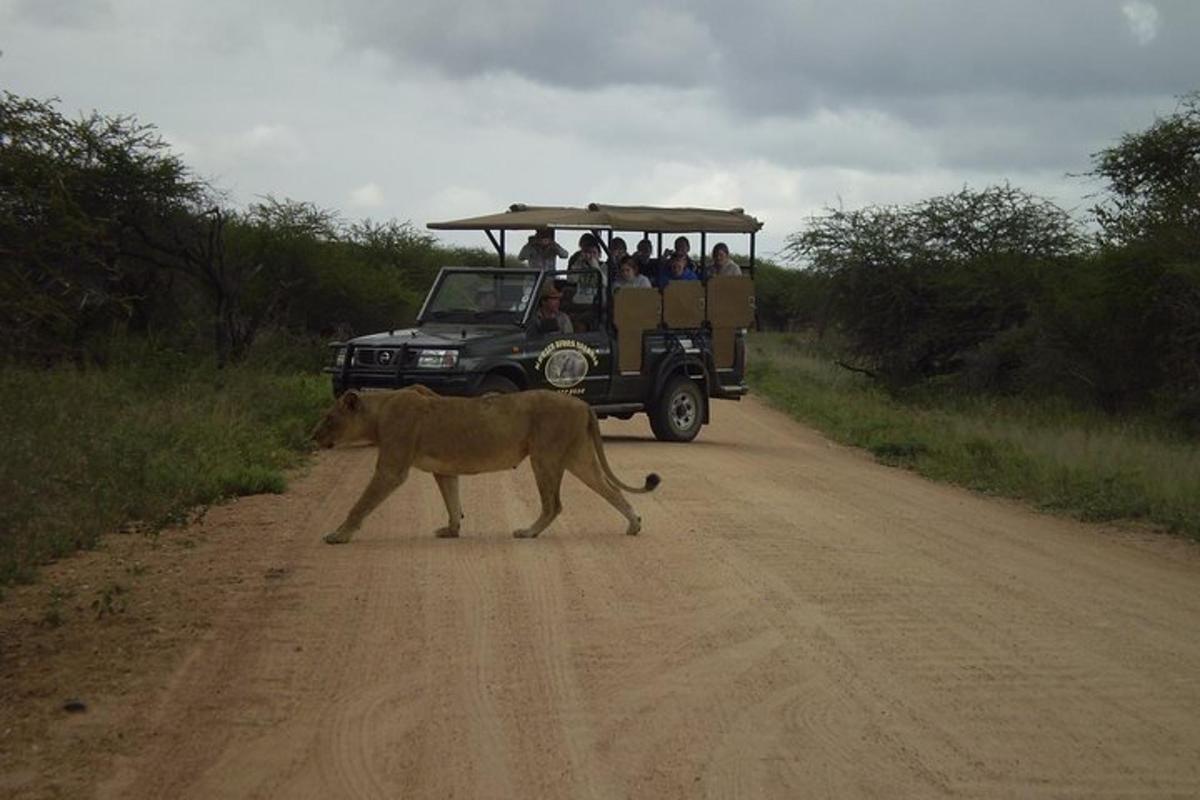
1058 455
87 451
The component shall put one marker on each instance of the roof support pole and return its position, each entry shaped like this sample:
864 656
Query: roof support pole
497 243
703 252
605 246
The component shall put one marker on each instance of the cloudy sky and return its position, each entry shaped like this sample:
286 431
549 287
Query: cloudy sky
432 109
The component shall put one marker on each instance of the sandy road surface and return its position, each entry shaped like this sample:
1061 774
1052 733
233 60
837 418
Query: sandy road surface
795 621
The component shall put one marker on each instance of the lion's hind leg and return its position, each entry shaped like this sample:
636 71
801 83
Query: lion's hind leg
448 485
548 473
585 466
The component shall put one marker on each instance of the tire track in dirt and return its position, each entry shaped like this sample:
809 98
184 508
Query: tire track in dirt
794 621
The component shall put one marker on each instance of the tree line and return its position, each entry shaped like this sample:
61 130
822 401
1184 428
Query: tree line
104 233
999 290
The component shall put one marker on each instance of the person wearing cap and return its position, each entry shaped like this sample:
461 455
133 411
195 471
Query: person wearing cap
548 310
541 251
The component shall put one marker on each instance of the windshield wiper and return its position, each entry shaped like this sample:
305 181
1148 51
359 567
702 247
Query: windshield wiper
446 312
496 313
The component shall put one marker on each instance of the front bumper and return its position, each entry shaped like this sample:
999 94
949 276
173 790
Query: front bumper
452 383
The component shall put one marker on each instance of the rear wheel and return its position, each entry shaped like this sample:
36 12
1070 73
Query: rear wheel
678 413
496 384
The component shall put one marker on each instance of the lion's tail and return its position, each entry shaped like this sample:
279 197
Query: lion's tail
652 480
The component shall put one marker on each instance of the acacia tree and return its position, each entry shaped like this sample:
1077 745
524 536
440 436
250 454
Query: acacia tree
917 287
76 196
1153 180
1152 218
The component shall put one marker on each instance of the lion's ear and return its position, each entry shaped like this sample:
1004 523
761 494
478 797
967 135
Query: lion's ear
350 401
422 389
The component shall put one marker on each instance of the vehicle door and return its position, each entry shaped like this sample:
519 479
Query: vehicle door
577 363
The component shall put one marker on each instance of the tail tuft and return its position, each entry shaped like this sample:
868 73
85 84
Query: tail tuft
652 481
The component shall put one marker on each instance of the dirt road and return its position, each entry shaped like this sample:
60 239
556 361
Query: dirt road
794 621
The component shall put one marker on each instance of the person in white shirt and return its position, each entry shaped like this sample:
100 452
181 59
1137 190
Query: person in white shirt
722 264
628 276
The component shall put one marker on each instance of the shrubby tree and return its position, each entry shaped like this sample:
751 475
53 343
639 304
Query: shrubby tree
81 202
1153 183
790 299
1151 227
918 288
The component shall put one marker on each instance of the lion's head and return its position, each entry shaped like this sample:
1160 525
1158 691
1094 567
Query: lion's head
347 421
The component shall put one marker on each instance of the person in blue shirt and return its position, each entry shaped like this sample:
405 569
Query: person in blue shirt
678 270
683 245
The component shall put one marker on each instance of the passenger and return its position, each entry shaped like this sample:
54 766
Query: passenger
682 245
617 250
589 251
679 269
549 319
541 251
722 264
629 275
643 255
648 265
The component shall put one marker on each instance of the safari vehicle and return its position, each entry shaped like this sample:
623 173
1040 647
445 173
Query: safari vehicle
663 352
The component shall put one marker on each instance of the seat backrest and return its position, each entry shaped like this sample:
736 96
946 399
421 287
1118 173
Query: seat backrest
635 310
731 301
683 304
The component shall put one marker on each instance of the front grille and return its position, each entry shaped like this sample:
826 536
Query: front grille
379 357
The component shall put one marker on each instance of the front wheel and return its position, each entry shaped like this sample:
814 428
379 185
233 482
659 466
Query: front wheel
677 414
496 384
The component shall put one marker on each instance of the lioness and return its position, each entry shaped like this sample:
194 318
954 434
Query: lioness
452 436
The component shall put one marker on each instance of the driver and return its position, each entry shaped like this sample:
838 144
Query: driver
485 298
549 319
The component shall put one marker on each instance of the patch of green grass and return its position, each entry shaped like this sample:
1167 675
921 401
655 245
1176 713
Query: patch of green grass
1061 458
86 452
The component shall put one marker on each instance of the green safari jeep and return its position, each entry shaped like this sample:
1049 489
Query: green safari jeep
664 351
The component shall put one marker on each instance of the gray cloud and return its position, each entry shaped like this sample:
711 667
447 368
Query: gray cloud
786 57
425 110
63 13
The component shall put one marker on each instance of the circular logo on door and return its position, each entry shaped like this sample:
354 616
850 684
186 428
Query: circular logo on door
566 368
566 362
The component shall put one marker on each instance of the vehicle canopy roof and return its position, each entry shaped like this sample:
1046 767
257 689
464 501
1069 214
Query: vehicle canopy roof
595 216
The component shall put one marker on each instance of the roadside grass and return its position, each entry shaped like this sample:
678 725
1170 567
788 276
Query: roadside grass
1063 459
139 444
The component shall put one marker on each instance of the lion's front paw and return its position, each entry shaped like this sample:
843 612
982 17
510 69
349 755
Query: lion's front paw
446 533
336 537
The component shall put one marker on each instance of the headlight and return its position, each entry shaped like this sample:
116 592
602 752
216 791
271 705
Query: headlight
339 357
437 359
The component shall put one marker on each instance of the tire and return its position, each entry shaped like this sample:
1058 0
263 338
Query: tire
677 414
496 384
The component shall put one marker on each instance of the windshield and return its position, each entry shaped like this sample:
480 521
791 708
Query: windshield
484 296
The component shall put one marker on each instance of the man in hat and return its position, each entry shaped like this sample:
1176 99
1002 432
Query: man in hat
541 251
548 318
